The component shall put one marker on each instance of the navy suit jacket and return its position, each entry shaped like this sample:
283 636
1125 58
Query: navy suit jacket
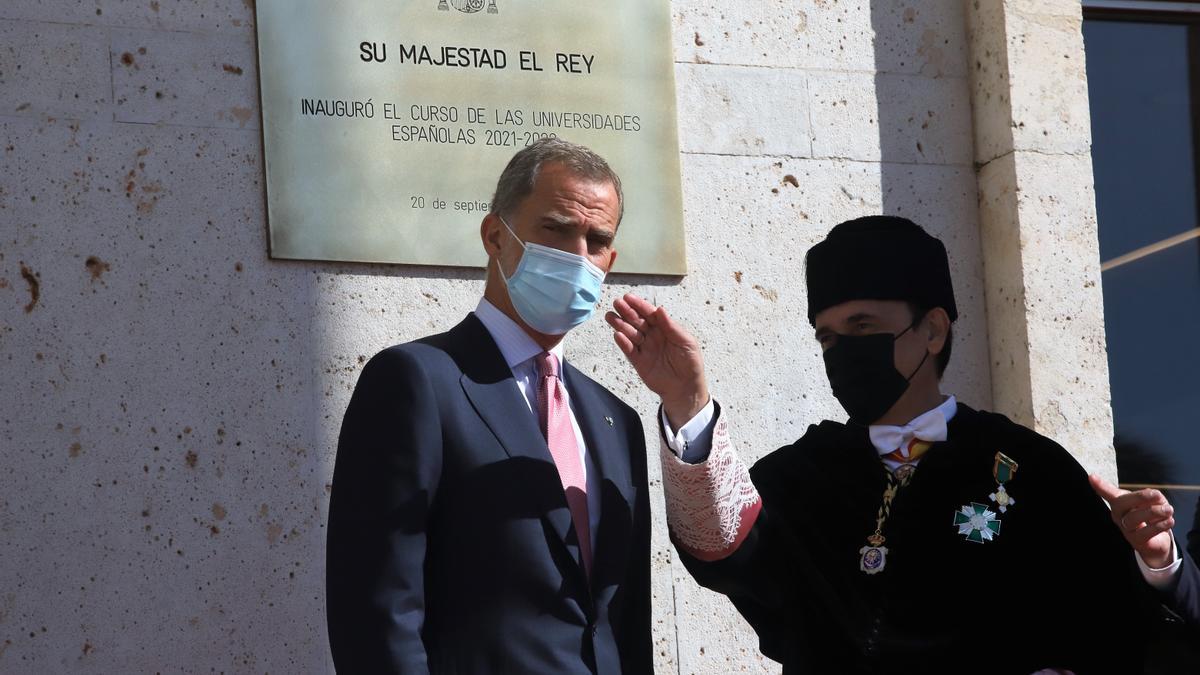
1185 597
450 546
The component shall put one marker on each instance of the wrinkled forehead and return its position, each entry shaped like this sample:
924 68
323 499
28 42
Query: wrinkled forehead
571 199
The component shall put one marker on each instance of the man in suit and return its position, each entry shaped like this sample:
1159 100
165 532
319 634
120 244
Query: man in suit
489 511
1145 519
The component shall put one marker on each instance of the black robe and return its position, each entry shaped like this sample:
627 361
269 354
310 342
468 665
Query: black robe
1057 588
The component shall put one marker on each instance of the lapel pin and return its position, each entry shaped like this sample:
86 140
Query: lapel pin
609 421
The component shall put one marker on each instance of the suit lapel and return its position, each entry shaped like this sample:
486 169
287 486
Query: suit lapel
598 422
488 383
603 432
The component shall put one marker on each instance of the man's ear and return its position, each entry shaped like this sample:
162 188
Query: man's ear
937 327
491 232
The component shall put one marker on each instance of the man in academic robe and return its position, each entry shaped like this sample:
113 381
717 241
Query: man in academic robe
489 512
922 536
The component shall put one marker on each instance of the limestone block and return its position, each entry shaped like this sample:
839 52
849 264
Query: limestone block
172 15
39 187
754 33
1068 8
841 37
1049 74
734 110
1045 308
1000 236
53 69
1029 78
714 639
184 78
664 623
919 37
893 118
1064 306
845 116
991 102
161 340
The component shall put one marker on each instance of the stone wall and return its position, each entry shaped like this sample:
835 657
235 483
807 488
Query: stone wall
1038 223
172 396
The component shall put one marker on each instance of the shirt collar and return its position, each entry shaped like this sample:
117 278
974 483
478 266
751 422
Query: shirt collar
887 438
947 408
515 344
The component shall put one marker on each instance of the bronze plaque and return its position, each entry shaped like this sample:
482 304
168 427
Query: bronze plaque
387 122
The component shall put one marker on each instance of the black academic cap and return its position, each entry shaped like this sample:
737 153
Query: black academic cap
878 258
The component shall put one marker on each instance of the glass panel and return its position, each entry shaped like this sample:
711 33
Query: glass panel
1142 134
1152 314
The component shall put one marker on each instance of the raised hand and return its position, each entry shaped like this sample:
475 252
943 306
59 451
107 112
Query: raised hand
665 356
1145 519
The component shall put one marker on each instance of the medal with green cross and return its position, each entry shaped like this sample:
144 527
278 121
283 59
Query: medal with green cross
977 522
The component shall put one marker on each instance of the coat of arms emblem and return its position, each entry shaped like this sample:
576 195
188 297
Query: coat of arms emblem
468 6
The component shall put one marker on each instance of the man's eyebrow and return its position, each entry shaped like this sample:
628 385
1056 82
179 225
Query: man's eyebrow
605 235
602 234
557 219
854 318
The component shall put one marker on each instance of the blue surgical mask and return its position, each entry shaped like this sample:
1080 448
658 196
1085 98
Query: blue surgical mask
553 291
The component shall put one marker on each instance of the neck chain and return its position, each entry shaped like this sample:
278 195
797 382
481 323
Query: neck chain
873 556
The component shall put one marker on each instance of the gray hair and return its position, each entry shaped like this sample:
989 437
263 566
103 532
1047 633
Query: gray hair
517 179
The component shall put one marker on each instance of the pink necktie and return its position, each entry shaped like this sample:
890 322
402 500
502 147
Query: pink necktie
555 417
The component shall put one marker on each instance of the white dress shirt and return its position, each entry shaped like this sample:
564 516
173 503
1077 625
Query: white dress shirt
694 439
1162 579
519 351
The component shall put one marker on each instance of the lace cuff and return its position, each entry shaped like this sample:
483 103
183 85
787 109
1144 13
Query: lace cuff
711 506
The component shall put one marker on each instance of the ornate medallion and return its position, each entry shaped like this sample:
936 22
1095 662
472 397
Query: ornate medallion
872 559
976 523
1003 470
1002 499
468 6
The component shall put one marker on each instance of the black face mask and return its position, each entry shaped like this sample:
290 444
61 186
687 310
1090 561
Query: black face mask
862 372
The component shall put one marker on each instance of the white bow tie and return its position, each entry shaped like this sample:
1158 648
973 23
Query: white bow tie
930 427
